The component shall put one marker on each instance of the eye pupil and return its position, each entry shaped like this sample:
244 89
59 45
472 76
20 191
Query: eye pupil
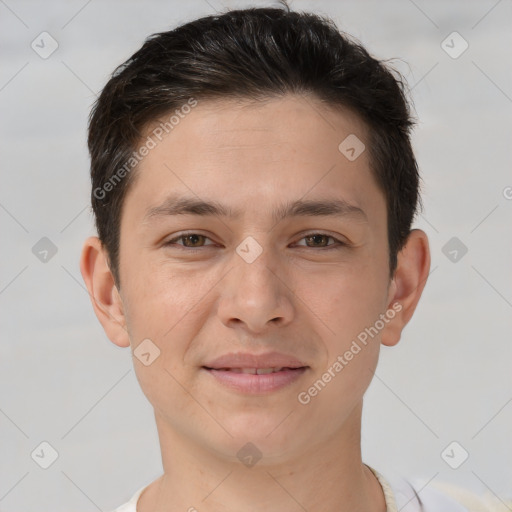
315 238
195 238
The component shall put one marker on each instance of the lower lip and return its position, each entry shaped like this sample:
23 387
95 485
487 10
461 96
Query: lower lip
257 384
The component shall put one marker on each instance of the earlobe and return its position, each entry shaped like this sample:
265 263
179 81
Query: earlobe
407 285
104 295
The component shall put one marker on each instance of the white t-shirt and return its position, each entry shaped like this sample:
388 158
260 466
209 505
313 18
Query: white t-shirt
403 496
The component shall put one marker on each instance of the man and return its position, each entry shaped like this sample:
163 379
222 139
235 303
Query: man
254 187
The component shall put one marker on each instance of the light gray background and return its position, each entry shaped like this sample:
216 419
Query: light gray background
63 382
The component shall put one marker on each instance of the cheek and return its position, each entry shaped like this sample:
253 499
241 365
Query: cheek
169 306
349 303
162 309
348 307
347 299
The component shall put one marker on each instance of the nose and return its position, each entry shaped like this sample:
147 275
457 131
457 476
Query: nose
257 295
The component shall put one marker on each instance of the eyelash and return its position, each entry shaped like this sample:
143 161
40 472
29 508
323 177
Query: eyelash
337 245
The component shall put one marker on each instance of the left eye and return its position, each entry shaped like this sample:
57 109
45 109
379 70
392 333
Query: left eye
195 239
318 237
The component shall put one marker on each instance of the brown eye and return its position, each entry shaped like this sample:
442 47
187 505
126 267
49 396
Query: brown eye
321 241
189 240
317 240
193 240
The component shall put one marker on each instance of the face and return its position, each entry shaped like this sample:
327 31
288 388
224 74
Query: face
266 268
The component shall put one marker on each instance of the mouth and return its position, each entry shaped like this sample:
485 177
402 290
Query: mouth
256 381
254 371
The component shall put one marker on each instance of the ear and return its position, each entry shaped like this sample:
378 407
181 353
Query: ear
405 289
105 297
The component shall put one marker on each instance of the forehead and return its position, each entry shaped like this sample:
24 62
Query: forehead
273 127
252 153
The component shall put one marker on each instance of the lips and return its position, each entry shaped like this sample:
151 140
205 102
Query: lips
252 371
240 362
256 373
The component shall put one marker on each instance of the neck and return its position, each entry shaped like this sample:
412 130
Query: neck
328 477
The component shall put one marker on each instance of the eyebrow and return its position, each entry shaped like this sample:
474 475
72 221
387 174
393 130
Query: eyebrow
183 205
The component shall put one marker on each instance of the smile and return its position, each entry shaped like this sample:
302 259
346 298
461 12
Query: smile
256 380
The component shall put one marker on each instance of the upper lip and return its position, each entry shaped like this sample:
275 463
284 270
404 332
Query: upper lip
247 360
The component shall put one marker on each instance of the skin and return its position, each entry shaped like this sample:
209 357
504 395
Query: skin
296 297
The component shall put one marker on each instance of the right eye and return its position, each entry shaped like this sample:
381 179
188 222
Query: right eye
188 238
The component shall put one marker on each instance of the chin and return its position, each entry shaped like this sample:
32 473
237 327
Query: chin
260 435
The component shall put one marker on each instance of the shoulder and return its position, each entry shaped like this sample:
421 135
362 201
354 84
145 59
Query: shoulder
126 507
446 497
417 495
469 500
130 506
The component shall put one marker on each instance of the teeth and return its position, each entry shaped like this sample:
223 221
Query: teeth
254 371
267 370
